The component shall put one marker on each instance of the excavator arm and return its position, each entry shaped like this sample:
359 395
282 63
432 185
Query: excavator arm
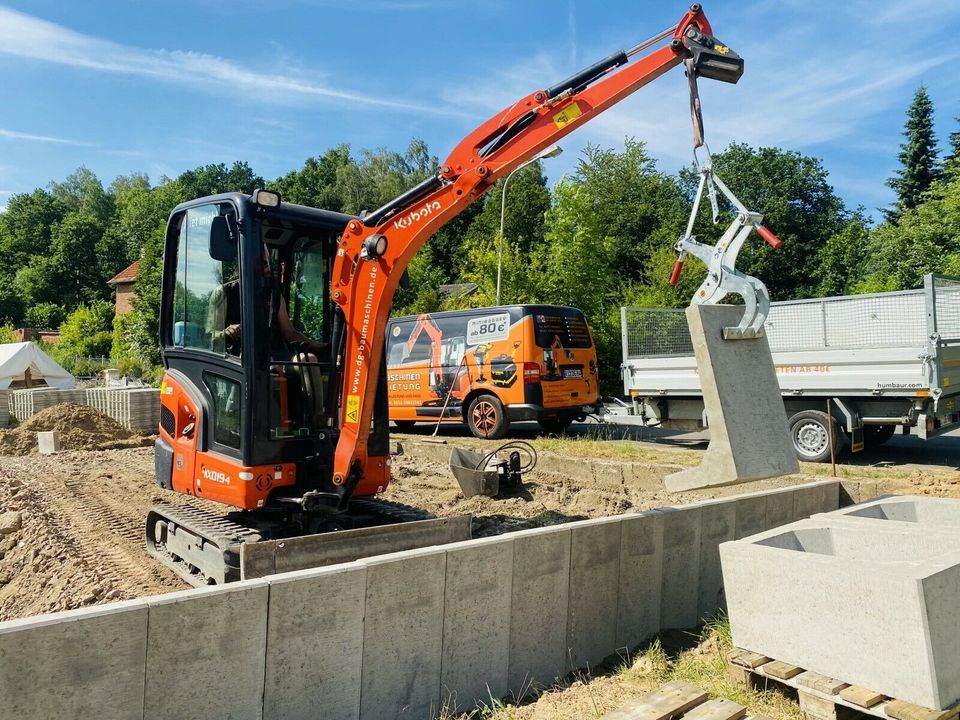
375 250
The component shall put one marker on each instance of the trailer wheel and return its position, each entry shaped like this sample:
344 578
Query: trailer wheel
877 435
811 439
486 419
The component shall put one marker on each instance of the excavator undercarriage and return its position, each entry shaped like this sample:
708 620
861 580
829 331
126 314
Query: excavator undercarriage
208 549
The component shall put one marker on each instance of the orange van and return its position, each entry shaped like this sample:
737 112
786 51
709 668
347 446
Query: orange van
488 367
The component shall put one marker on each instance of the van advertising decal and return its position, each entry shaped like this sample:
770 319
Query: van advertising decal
489 328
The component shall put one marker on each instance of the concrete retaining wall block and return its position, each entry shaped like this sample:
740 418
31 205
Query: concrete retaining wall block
86 663
206 653
315 644
538 608
403 634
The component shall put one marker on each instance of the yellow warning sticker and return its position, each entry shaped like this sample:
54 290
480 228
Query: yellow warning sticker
353 409
568 114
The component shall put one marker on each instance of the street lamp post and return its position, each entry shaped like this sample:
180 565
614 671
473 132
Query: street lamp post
549 152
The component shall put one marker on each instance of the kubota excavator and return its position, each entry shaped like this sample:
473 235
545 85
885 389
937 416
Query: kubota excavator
272 327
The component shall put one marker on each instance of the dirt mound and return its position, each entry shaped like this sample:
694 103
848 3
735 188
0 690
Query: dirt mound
80 427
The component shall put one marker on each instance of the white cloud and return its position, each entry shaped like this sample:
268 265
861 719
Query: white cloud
30 37
15 135
802 88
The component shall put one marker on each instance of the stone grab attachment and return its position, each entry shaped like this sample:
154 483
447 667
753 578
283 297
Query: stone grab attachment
722 276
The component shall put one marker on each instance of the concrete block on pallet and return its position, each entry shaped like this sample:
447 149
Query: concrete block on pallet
902 511
77 664
641 574
476 622
315 644
403 634
680 587
206 651
718 522
538 607
594 590
891 588
749 436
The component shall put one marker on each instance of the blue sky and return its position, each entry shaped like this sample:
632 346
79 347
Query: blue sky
161 87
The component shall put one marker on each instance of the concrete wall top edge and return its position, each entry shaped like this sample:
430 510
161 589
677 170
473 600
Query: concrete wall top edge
400 555
196 593
76 615
295 575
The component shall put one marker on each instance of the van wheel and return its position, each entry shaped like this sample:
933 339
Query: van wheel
404 425
486 419
811 439
555 426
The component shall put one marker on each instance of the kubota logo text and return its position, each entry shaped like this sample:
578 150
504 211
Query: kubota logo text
215 476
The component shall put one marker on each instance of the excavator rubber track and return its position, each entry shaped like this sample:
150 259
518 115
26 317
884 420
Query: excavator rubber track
207 549
200 547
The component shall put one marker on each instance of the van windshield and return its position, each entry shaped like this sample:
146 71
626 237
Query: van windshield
566 325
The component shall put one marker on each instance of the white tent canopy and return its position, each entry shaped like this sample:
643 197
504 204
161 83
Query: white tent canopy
16 358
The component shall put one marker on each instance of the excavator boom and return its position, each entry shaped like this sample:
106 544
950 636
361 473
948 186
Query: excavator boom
374 251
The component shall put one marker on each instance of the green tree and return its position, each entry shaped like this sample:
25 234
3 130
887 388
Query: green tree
951 163
81 192
927 239
315 184
45 315
606 225
840 265
918 156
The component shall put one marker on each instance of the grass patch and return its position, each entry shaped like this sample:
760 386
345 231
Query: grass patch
704 664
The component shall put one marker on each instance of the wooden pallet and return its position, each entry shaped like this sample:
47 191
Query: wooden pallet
824 698
679 699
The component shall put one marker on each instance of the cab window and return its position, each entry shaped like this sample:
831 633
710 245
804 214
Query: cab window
308 294
204 305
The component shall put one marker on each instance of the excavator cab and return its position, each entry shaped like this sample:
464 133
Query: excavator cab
250 399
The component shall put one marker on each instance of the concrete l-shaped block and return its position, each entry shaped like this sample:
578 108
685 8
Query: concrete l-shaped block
868 594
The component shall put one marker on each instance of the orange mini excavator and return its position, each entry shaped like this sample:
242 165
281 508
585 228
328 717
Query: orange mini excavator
272 328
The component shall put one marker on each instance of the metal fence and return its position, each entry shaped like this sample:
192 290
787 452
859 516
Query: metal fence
895 319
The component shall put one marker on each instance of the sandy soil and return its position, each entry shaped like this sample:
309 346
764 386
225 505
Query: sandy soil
74 521
80 428
81 536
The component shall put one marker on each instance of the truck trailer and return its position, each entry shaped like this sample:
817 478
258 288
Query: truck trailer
872 365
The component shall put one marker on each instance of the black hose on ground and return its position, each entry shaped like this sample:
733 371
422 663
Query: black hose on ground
525 449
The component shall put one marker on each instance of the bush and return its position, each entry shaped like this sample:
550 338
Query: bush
85 337
8 334
45 316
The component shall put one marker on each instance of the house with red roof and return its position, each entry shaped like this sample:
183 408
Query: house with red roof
123 282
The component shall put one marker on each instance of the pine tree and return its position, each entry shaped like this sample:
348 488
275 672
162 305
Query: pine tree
918 156
951 164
